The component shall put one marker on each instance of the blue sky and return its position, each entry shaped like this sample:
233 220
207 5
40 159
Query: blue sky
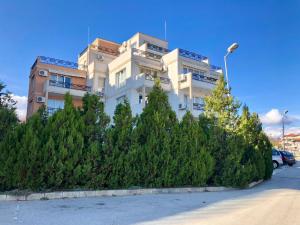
264 71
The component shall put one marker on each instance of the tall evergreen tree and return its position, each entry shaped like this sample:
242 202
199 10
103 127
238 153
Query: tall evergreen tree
95 126
222 106
65 128
119 143
154 128
195 162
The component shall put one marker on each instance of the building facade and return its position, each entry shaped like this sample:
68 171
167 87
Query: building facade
50 79
128 70
292 142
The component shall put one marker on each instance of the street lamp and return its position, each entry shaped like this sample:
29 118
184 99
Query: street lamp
283 117
230 49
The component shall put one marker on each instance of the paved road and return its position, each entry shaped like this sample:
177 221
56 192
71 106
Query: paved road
274 202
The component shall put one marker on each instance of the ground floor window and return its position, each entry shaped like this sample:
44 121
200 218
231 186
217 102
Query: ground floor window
54 105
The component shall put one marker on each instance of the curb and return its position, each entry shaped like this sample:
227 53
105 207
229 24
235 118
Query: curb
113 193
251 185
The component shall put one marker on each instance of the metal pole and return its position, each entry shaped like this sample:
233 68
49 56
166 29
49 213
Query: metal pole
226 73
283 142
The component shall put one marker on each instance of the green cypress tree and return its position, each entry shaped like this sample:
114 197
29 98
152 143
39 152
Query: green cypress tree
222 106
195 162
65 128
119 144
95 128
154 128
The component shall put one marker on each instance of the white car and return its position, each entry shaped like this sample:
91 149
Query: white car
276 158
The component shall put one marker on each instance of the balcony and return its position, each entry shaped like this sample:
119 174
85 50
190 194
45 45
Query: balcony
145 54
157 48
147 80
61 88
197 81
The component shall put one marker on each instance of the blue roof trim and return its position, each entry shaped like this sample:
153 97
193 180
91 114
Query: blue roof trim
213 67
191 55
57 62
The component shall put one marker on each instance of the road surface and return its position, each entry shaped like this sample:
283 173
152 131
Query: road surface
273 202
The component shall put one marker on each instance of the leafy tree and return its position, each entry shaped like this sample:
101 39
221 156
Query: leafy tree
8 117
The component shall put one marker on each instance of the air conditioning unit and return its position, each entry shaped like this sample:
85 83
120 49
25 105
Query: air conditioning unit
182 106
99 57
43 73
40 99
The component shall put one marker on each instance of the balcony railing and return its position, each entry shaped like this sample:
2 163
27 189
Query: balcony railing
157 48
52 110
69 85
215 68
164 80
57 62
198 106
145 54
192 55
203 78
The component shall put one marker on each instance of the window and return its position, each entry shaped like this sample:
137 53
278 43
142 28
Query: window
54 105
133 45
60 81
141 99
187 69
185 100
121 78
198 100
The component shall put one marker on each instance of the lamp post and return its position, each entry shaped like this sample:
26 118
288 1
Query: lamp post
230 49
283 117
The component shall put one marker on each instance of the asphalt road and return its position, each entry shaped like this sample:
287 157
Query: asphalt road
273 202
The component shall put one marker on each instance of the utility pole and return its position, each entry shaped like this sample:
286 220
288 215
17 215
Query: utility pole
283 127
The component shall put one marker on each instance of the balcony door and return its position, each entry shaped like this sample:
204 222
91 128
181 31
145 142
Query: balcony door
67 82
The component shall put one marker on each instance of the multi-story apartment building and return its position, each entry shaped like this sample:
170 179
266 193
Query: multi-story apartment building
50 79
116 72
292 142
185 76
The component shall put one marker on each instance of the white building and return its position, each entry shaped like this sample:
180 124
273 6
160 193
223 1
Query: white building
128 71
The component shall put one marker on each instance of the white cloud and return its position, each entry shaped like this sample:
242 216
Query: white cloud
276 132
274 117
21 106
272 123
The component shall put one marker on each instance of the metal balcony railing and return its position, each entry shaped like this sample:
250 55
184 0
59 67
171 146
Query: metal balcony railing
215 68
192 55
157 48
203 78
52 110
145 54
164 80
79 87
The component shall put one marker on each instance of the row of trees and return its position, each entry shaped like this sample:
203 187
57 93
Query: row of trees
82 148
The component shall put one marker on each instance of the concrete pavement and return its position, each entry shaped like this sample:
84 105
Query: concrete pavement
273 202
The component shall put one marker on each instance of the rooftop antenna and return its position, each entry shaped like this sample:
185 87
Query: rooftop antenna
165 29
88 37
